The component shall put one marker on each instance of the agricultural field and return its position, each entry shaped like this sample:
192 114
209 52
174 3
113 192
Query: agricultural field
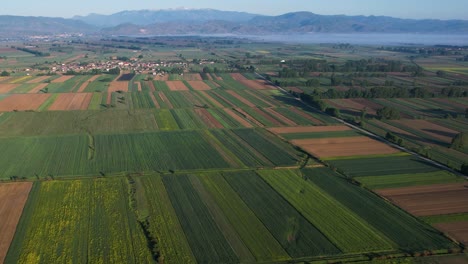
174 151
79 220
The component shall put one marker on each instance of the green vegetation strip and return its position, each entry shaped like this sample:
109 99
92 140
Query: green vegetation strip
79 221
297 236
343 227
403 180
164 224
205 238
451 218
332 134
254 234
48 103
382 166
406 231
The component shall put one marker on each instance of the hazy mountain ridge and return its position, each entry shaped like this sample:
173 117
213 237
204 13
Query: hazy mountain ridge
20 25
209 21
147 17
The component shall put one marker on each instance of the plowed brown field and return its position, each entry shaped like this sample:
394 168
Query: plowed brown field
71 101
457 230
199 85
342 147
430 200
177 86
13 197
63 79
6 87
23 102
38 88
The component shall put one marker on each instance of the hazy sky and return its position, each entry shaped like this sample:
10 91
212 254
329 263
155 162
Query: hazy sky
441 9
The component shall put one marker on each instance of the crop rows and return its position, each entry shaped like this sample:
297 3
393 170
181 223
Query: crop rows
205 238
403 229
273 149
79 221
342 226
403 180
382 166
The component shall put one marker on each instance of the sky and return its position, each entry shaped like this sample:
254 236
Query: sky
418 9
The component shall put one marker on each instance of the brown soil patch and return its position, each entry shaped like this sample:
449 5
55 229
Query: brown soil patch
155 102
371 107
342 147
430 200
13 197
456 230
177 86
71 101
282 118
63 79
164 98
238 76
433 130
199 85
7 87
38 79
240 98
118 86
138 86
38 88
115 87
239 119
151 86
192 77
22 102
212 100
209 120
307 129
85 84
209 76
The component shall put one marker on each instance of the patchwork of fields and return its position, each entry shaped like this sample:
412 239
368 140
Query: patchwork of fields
200 168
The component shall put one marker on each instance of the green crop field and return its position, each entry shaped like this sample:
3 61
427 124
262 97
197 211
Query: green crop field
407 232
403 180
343 227
297 236
79 221
382 166
205 238
155 175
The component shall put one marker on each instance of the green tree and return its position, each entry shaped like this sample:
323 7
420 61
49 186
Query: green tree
388 113
464 168
458 142
5 73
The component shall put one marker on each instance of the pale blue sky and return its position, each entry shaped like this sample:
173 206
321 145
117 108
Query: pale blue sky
440 9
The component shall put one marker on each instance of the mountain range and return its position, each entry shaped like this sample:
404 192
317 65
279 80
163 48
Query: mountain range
209 21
